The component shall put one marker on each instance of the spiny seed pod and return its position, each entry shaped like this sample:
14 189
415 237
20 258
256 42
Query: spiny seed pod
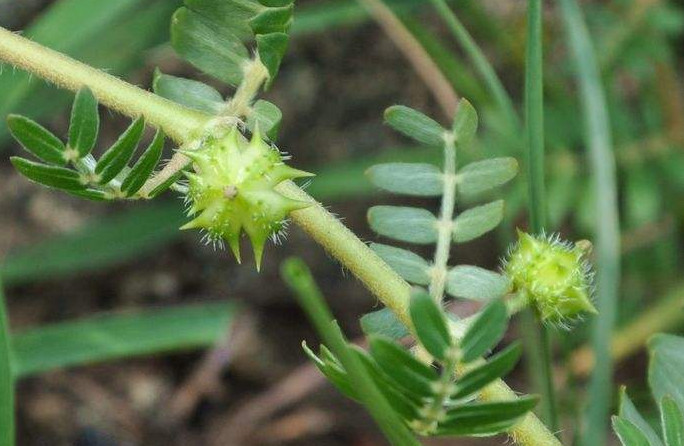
553 275
231 189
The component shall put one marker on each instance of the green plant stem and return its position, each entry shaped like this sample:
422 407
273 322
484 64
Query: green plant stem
6 379
540 362
445 224
323 227
480 62
602 161
177 121
299 278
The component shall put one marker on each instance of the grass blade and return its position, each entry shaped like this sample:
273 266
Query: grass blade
113 336
298 277
96 245
602 160
6 379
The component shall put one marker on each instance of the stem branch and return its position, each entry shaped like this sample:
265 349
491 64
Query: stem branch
323 227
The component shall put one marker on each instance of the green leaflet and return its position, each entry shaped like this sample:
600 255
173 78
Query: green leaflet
473 223
407 224
190 93
473 282
415 125
208 46
412 267
628 433
85 123
265 116
485 331
211 35
482 419
418 179
482 176
37 140
383 323
496 367
145 166
50 176
120 153
430 325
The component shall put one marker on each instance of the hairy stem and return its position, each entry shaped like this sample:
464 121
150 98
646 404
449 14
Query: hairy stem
323 227
177 121
446 216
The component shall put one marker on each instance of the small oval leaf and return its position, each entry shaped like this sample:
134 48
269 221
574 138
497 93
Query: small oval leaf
37 140
497 366
145 166
272 48
85 122
267 117
384 323
477 221
119 154
51 176
485 418
430 324
411 267
407 224
415 125
628 433
208 45
485 331
473 282
422 180
672 421
465 123
405 370
190 93
481 176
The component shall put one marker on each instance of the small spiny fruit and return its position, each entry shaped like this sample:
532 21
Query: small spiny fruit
231 189
553 275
